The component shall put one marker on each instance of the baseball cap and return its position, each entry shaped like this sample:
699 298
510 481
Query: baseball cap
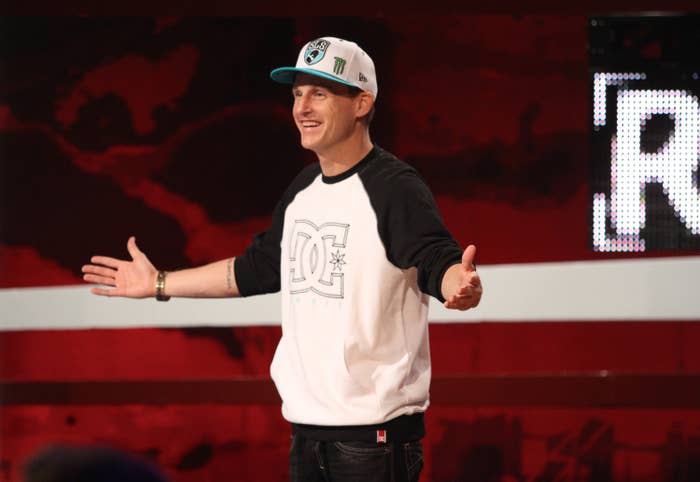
334 59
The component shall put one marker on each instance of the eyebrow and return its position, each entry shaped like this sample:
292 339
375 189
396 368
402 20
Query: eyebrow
339 90
313 86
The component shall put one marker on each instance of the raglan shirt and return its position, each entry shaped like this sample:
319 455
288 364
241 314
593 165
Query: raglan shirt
356 256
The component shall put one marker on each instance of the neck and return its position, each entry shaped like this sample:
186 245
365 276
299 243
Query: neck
345 155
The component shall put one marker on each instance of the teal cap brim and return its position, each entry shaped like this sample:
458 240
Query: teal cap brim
286 75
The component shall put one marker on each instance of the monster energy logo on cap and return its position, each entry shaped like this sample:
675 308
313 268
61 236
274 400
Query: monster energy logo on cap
339 66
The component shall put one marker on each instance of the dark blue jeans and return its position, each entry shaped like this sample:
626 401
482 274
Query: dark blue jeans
317 461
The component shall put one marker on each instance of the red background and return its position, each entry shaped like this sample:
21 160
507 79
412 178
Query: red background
169 129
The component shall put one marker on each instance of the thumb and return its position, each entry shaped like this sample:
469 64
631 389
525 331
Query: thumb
468 258
134 251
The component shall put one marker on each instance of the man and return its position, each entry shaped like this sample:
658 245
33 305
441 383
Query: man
356 245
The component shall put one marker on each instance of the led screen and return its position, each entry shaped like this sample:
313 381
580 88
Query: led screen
645 142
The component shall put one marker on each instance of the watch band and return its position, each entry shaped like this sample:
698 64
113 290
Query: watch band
160 286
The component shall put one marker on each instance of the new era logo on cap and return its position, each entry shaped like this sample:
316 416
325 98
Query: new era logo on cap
335 59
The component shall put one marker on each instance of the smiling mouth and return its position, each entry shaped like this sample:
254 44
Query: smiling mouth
309 124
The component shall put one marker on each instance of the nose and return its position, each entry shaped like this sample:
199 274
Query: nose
302 104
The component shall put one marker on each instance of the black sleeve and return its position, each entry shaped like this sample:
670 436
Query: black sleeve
413 232
258 269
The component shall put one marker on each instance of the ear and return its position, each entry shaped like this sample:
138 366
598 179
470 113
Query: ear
365 101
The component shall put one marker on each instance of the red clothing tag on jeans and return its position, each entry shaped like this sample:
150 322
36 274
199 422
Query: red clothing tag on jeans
381 436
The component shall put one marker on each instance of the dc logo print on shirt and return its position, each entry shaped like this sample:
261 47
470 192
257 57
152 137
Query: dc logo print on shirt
316 259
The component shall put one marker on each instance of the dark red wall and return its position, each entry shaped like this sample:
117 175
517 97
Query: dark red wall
169 129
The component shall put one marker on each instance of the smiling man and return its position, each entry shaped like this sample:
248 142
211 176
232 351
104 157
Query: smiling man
325 113
356 247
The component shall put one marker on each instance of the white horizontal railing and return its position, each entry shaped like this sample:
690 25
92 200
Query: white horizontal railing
636 289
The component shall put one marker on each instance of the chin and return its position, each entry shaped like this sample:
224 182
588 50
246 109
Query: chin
309 144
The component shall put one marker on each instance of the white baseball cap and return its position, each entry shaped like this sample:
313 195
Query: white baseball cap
335 59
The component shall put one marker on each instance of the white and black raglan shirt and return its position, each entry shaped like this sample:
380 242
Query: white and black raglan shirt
356 257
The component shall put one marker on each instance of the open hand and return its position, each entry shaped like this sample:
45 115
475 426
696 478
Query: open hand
468 284
132 279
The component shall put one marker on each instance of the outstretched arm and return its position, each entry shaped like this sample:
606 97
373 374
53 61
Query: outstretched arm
137 278
461 285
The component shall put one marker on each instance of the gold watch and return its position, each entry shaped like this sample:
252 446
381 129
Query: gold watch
160 286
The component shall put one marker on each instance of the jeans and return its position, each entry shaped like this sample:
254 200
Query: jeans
318 461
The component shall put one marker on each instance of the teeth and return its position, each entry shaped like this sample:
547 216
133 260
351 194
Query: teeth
310 124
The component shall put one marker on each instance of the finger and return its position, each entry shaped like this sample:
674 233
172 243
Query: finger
100 280
460 296
466 290
134 250
104 292
106 261
457 306
474 300
462 304
457 299
468 258
99 270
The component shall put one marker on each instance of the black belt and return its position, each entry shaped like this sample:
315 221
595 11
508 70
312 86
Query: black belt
404 428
